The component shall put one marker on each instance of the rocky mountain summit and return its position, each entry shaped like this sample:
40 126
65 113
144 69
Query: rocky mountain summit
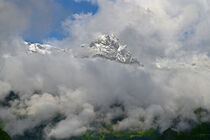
109 47
105 46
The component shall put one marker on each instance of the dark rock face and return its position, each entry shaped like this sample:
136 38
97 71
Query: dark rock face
10 97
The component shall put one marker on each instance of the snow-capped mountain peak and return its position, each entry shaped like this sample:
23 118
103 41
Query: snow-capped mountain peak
109 47
44 49
105 46
38 48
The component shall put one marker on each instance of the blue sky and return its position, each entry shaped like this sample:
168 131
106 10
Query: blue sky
66 9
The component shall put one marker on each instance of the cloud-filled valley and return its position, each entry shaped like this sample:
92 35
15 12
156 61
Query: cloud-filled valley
170 38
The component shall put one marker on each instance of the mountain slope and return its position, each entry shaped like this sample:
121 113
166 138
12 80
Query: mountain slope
43 49
105 46
4 135
109 47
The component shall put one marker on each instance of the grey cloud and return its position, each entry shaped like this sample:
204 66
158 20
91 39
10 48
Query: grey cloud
90 91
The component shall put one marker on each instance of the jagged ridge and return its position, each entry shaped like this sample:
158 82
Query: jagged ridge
106 46
109 47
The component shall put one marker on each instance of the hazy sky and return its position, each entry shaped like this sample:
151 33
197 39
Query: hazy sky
59 11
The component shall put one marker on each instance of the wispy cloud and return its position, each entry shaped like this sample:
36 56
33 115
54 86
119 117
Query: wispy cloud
170 34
